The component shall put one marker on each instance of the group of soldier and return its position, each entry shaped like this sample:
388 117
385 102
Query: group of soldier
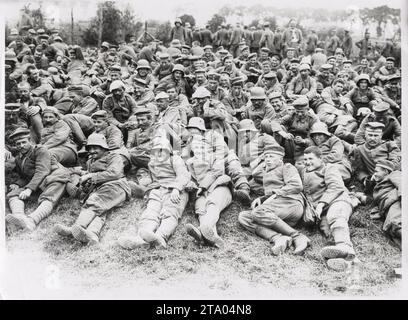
297 133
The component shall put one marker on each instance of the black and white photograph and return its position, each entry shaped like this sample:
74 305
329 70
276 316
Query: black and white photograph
187 150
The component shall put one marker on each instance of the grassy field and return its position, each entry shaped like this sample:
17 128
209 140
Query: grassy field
245 268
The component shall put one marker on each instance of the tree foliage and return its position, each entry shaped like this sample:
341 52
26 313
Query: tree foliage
162 32
215 22
380 15
188 18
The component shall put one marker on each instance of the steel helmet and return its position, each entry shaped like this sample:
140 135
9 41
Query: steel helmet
142 63
116 85
196 122
257 93
247 125
97 139
201 93
363 76
178 67
319 127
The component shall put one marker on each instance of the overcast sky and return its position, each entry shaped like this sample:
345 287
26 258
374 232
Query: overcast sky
202 10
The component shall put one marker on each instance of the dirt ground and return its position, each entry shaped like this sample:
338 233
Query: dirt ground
41 264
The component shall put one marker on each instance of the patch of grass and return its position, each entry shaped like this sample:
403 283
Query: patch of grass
246 258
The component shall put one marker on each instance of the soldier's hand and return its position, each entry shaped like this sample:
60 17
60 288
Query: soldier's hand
25 194
175 196
299 140
256 203
13 187
99 94
85 177
286 135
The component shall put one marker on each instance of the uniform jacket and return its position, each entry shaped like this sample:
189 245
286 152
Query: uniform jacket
266 112
86 106
267 39
236 36
119 111
171 174
324 185
57 135
388 191
256 38
160 72
206 38
298 86
333 152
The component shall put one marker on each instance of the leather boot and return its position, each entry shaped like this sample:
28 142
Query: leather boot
211 235
42 211
63 230
340 250
242 194
79 231
301 242
280 244
194 232
151 237
132 242
94 230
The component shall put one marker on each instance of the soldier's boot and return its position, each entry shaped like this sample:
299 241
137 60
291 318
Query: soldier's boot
280 244
85 217
242 194
132 242
94 229
300 241
151 237
42 212
17 215
167 227
340 250
194 232
265 233
338 264
62 230
210 234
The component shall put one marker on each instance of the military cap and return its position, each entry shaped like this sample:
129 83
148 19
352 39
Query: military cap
140 82
252 55
264 49
228 56
295 60
176 56
53 110
40 31
247 125
178 67
326 66
270 75
52 70
301 102
17 74
10 56
176 42
208 47
319 50
32 31
194 58
290 49
13 32
339 50
143 64
347 61
386 164
97 139
223 51
381 106
12 107
99 114
57 38
105 44
142 110
44 36
161 95
363 76
237 81
245 47
375 126
304 66
212 75
393 77
390 59
182 58
117 84
320 127
275 150
177 20
164 55
201 92
331 57
20 133
257 93
196 122
274 95
200 70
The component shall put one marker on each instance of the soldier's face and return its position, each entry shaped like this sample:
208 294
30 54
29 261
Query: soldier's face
143 121
118 93
276 103
263 55
300 163
389 64
325 73
24 94
312 162
301 113
373 137
143 72
290 54
248 135
304 73
252 60
165 62
228 63
271 160
364 62
338 88
177 75
347 66
49 119
138 90
172 94
200 77
74 96
363 84
224 82
274 62
162 103
394 85
213 84
99 124
236 90
269 82
266 67
319 138
258 103
22 145
35 74
115 75
379 174
96 152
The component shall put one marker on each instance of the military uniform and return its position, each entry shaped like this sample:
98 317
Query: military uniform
119 111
